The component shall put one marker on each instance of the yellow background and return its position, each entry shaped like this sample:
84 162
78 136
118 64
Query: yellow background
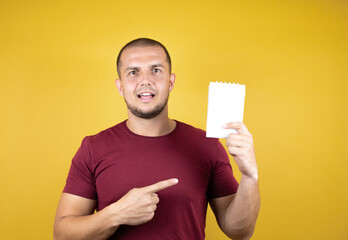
57 71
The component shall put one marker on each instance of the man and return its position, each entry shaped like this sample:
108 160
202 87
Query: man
151 177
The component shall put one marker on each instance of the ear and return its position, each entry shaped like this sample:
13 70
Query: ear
171 82
119 86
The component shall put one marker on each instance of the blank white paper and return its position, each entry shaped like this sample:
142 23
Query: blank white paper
225 104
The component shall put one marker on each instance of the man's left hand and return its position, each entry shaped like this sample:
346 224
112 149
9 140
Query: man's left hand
241 146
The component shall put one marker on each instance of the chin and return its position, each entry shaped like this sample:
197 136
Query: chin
154 112
149 114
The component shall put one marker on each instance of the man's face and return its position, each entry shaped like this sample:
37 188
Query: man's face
145 81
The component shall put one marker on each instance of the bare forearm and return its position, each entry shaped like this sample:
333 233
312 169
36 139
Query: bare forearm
75 221
240 217
97 226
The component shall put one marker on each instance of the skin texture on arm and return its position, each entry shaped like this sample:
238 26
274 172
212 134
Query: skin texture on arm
236 214
75 218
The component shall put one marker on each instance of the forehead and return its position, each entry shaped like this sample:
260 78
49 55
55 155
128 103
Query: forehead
143 55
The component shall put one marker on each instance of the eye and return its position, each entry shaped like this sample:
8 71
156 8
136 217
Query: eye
156 70
132 73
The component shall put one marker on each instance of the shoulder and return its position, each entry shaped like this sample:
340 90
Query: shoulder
196 142
105 136
190 128
194 133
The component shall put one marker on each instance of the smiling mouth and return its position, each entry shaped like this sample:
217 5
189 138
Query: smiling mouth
146 96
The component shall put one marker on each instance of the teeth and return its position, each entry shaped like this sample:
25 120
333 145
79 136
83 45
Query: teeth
145 94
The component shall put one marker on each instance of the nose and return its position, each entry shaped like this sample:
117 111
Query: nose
145 83
145 80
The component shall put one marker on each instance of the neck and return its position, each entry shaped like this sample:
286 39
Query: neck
154 127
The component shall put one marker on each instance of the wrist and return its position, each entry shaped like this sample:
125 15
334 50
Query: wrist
113 216
251 177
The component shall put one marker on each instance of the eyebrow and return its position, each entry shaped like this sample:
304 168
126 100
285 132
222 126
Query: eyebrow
132 68
157 65
137 68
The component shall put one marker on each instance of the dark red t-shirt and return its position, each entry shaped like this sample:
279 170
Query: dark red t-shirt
112 162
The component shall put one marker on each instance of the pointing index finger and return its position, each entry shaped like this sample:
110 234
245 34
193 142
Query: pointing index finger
160 185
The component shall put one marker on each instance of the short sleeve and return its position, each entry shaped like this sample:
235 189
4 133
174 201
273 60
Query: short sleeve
222 181
80 180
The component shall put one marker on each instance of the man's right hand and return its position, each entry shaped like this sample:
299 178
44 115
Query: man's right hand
75 218
139 204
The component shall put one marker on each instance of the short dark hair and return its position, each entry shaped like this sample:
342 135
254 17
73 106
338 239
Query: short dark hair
142 42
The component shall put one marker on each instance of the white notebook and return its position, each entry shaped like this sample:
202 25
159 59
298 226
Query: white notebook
225 104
